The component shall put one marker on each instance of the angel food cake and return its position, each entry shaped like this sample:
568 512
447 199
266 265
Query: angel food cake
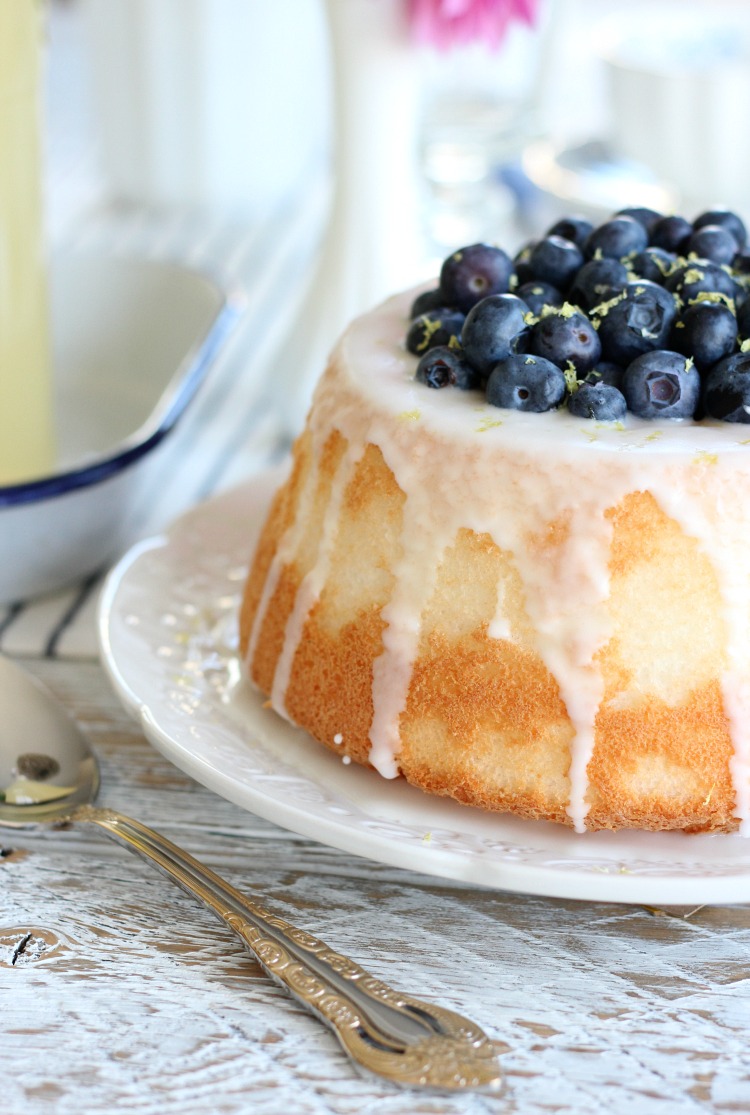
511 561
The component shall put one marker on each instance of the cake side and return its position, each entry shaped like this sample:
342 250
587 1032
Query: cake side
484 722
536 625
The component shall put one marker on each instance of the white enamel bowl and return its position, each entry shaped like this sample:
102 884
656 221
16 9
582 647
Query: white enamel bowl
134 341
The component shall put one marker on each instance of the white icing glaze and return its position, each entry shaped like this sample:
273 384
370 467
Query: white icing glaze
314 582
499 626
285 552
428 527
462 463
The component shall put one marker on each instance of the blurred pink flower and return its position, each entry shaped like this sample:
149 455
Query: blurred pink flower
446 23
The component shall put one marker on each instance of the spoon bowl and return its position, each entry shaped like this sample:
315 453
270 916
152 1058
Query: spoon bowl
46 764
48 773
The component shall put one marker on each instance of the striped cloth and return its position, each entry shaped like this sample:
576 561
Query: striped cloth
232 428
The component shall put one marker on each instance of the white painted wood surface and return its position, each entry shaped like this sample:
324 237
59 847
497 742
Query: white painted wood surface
120 994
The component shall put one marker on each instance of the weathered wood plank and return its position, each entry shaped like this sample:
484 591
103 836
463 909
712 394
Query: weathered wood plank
120 993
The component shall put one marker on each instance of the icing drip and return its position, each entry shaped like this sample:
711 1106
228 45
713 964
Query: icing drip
415 573
721 531
314 582
499 625
566 588
286 550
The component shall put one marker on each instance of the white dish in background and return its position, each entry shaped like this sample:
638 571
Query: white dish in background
593 179
168 634
133 342
683 69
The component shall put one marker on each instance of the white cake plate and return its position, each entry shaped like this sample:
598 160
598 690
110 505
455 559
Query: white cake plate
168 632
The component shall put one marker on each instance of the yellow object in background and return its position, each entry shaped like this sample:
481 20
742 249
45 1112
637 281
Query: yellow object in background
26 427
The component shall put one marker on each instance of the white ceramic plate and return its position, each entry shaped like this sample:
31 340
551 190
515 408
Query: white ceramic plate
168 633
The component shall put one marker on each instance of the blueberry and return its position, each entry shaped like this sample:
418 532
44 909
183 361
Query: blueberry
427 300
606 372
566 337
671 233
617 238
661 384
727 394
537 294
575 229
490 329
598 281
653 264
743 320
521 262
700 276
646 217
526 383
640 322
522 341
555 260
433 328
598 400
594 314
741 262
707 331
726 219
713 242
446 367
473 273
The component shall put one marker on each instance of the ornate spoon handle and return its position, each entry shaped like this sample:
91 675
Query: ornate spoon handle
400 1037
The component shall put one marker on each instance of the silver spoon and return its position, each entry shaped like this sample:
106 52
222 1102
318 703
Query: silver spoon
48 773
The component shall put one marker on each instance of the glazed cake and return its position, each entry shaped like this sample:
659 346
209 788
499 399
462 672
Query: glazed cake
537 613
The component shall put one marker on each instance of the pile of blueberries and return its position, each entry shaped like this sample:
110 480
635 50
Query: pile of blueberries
645 313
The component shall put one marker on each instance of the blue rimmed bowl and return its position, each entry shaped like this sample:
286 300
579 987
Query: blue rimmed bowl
134 344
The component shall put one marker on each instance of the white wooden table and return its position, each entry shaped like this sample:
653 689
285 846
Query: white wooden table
119 993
